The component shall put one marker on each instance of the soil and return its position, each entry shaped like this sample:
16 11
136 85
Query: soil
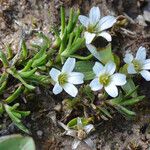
118 133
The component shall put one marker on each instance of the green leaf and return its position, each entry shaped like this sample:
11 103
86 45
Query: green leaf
105 54
124 69
87 92
70 21
1 108
16 142
88 75
3 58
3 77
124 111
14 95
73 122
40 79
15 118
75 46
9 51
3 87
115 101
130 88
117 60
85 67
24 51
14 73
63 24
105 112
132 101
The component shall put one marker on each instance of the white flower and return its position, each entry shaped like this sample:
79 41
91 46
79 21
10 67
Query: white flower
139 64
80 134
96 26
65 79
105 77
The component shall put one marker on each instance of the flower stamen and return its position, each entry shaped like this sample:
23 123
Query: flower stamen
137 65
62 79
90 29
104 79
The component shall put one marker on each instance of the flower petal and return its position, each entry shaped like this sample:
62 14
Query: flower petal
131 69
88 128
54 73
98 67
89 37
84 20
110 67
71 132
106 22
69 65
106 36
118 79
90 143
70 89
76 78
128 58
94 15
112 90
79 123
145 74
141 53
93 51
146 64
75 143
57 89
95 85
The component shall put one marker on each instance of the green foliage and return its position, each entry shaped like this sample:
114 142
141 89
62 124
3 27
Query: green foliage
24 69
16 142
86 67
73 123
87 93
23 72
16 115
130 98
130 88
69 40
103 107
105 54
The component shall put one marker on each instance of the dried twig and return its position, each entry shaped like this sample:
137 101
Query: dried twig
129 18
128 33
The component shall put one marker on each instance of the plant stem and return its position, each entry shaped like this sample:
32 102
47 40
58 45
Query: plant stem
82 57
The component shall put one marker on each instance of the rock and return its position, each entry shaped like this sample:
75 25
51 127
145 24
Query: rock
58 107
147 16
141 20
39 133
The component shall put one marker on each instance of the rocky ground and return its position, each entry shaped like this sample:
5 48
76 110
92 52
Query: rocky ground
115 134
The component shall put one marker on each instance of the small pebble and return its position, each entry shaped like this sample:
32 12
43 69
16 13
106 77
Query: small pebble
39 133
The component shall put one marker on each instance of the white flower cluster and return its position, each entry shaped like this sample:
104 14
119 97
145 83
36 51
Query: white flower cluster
105 76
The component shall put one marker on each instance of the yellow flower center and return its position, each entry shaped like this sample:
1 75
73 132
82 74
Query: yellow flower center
91 28
62 78
104 79
137 65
